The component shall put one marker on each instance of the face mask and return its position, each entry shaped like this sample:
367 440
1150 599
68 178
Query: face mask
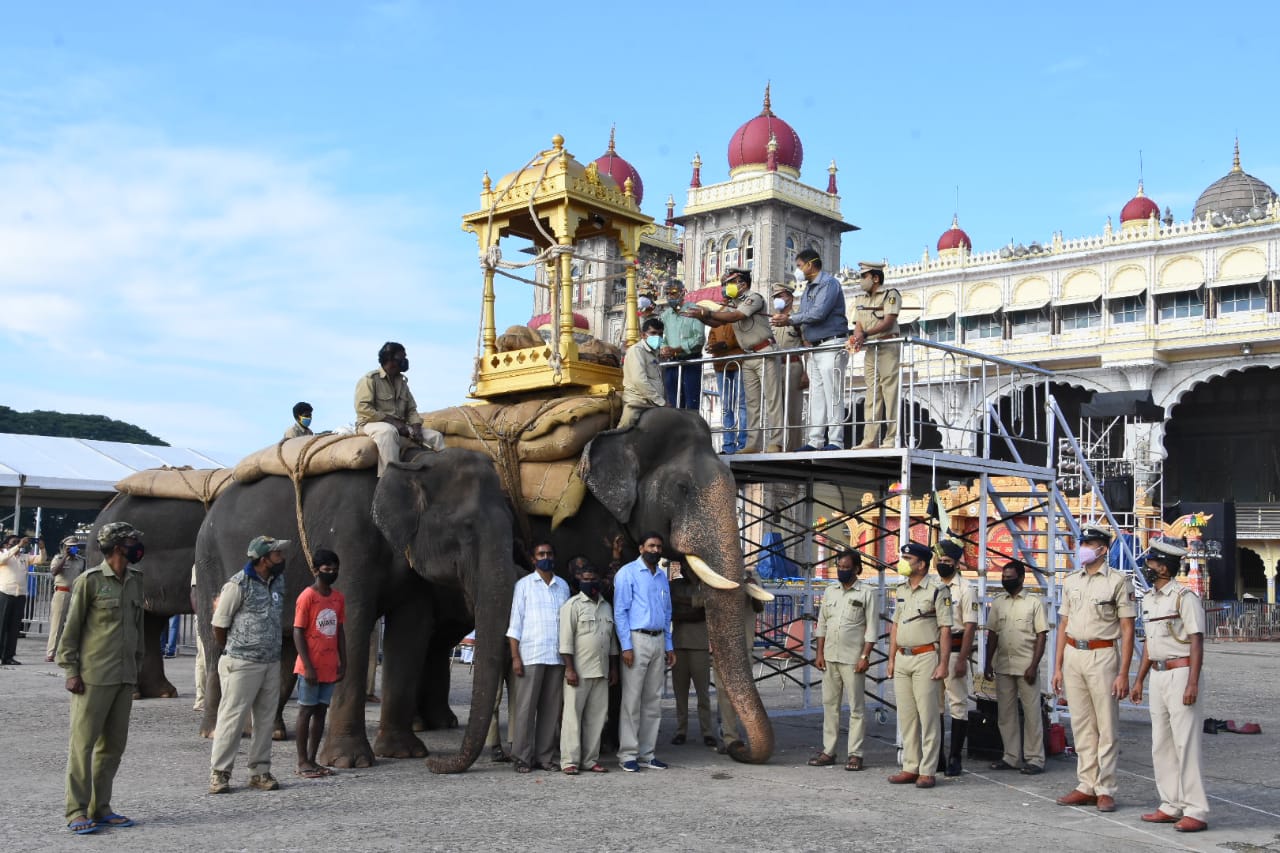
946 570
731 291
1151 575
654 342
867 283
545 565
1012 586
134 553
306 422
1085 555
846 576
277 569
404 364
590 589
673 301
799 275
73 551
651 560
904 567
779 304
327 578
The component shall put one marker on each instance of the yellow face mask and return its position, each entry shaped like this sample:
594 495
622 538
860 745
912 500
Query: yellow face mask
904 567
731 290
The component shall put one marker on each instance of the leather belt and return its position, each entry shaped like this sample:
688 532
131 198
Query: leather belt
1175 663
62 589
761 345
1089 645
650 633
957 637
829 340
919 650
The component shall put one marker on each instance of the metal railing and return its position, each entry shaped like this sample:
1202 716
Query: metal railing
1241 621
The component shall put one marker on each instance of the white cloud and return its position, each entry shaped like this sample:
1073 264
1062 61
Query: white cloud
199 292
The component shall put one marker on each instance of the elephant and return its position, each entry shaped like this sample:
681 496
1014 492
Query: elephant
432 533
169 528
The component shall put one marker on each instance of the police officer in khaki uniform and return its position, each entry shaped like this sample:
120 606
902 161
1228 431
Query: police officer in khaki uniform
1173 653
790 367
957 686
747 313
919 647
846 635
1096 616
1017 631
65 568
101 652
876 319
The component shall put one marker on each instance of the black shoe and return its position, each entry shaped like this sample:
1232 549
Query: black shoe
953 766
678 740
13 662
708 740
1002 765
1031 770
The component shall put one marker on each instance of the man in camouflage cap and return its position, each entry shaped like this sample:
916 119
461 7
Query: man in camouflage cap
101 652
247 628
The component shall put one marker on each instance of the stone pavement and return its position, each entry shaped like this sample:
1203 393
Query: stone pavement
705 801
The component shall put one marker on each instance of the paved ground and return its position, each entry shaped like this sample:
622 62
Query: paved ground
704 801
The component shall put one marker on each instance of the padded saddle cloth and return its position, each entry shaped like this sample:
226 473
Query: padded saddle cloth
188 484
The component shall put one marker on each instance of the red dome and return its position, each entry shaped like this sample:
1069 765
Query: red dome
544 320
954 238
749 146
1140 208
615 167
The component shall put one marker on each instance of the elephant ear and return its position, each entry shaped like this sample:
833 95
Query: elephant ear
611 470
399 503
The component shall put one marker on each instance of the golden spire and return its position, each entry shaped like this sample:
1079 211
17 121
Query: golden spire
768 108
628 188
697 160
486 183
612 129
1140 192
1235 159
557 142
955 221
772 147
832 168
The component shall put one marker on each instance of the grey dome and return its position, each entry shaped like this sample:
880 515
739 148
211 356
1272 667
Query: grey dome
1235 194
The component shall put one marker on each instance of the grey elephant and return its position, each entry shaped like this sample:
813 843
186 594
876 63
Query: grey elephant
453 543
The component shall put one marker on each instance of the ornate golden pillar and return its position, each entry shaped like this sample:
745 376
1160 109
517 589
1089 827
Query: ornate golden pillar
631 332
566 296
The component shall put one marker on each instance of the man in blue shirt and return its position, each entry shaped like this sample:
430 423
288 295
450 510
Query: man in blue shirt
642 618
822 320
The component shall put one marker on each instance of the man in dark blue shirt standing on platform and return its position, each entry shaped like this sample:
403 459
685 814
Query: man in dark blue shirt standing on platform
642 618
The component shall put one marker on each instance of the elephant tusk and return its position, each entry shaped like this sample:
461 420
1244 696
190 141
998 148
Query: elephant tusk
708 575
758 593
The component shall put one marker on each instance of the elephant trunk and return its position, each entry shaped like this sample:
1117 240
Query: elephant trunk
486 680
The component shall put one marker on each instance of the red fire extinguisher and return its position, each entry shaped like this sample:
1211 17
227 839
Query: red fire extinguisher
1056 742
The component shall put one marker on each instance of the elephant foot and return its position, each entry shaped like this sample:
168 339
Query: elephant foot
346 751
159 690
398 744
419 724
207 732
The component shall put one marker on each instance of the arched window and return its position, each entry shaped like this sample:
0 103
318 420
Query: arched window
791 254
711 262
730 253
748 252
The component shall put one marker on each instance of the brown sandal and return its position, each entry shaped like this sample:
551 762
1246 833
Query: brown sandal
854 763
822 760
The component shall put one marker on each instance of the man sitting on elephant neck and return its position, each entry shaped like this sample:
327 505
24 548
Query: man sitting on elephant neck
642 386
301 421
642 617
247 629
386 410
534 637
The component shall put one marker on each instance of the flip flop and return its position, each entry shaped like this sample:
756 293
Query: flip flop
116 820
1244 728
327 771
82 826
309 774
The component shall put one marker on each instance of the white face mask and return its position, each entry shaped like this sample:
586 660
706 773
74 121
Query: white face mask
779 304
654 342
799 275
867 283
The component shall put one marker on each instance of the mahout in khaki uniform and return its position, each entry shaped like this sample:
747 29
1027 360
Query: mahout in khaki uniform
846 635
642 386
1095 645
1173 653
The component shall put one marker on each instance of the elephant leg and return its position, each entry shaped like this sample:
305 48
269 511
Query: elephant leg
151 681
346 740
433 689
288 656
405 645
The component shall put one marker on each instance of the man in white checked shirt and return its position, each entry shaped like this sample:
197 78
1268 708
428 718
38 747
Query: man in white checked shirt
534 635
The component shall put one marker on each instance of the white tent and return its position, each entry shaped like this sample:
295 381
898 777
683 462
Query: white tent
78 473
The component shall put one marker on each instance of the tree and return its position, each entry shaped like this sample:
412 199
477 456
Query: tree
64 425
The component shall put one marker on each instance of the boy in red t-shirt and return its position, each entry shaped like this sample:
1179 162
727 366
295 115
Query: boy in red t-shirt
321 642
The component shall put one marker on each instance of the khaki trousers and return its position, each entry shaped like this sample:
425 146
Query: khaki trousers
247 688
641 710
492 739
631 414
390 443
880 371
585 709
536 721
839 680
371 678
790 371
200 673
57 615
1012 692
692 665
917 698
764 397
99 733
955 691
1087 676
1175 746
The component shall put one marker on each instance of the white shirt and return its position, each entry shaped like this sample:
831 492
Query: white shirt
13 571
535 618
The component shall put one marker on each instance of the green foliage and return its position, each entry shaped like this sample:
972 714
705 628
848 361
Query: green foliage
63 425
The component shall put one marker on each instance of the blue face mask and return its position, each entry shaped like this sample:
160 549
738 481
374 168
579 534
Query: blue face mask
545 565
73 551
305 421
654 342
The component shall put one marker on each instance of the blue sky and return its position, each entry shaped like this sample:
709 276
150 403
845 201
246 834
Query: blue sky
210 211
